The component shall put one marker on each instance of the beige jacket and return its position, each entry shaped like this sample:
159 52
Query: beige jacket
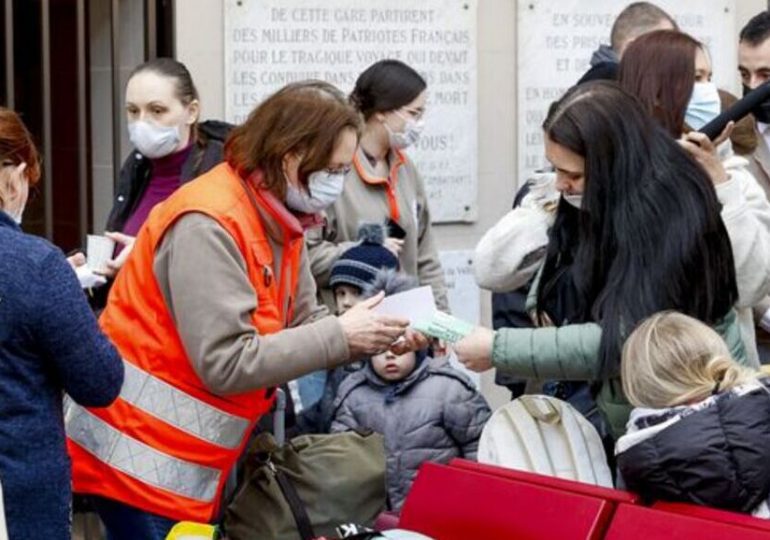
759 164
202 276
367 198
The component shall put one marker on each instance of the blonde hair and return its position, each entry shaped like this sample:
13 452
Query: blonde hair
672 359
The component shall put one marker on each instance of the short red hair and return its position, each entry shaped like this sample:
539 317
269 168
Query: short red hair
16 144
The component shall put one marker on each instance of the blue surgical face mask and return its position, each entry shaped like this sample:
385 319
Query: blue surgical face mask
704 105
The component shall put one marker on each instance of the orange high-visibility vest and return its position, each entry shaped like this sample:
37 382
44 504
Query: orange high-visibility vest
167 444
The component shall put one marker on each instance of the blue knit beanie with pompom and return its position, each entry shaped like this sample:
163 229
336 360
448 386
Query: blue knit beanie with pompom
359 265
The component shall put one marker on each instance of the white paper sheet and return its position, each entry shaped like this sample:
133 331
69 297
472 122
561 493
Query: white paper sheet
415 304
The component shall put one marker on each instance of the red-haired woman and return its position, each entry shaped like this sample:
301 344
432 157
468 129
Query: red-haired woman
49 344
670 73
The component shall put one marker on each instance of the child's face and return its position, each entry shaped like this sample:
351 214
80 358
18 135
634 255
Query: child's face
393 368
346 296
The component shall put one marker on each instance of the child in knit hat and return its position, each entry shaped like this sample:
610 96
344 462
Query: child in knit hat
357 267
425 409
354 271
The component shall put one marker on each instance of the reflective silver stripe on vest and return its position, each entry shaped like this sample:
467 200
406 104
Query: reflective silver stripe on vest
138 460
181 410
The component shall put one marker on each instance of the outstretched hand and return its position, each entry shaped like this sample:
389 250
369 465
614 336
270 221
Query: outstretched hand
475 350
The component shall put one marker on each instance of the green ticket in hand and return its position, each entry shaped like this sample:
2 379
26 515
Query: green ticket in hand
443 326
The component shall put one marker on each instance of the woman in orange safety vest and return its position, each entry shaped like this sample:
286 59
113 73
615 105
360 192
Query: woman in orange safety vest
216 306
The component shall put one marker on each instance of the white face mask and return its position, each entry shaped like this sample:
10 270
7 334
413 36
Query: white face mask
575 200
152 140
323 189
410 135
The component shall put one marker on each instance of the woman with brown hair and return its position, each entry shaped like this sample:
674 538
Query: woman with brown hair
670 73
215 307
171 146
49 344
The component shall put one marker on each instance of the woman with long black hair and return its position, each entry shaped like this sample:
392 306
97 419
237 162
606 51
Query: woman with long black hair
637 231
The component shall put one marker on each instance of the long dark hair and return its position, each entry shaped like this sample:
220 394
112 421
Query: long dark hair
649 236
658 69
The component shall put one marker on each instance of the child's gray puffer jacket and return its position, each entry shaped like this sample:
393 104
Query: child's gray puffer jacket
435 414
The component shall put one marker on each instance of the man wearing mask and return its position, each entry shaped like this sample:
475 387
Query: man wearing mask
754 67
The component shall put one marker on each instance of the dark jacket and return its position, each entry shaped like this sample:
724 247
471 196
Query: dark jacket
509 311
602 71
135 175
716 453
49 344
604 65
435 414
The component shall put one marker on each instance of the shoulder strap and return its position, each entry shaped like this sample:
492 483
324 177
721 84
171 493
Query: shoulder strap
586 448
531 439
304 526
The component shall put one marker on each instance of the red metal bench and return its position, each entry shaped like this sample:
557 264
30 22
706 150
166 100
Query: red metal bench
639 522
470 500
449 502
713 514
615 496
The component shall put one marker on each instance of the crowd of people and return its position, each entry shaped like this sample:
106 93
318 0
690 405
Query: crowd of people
631 280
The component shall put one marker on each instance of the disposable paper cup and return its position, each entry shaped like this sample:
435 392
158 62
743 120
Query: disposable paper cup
99 251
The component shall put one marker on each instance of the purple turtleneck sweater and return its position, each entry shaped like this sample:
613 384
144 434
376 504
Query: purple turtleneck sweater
165 179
